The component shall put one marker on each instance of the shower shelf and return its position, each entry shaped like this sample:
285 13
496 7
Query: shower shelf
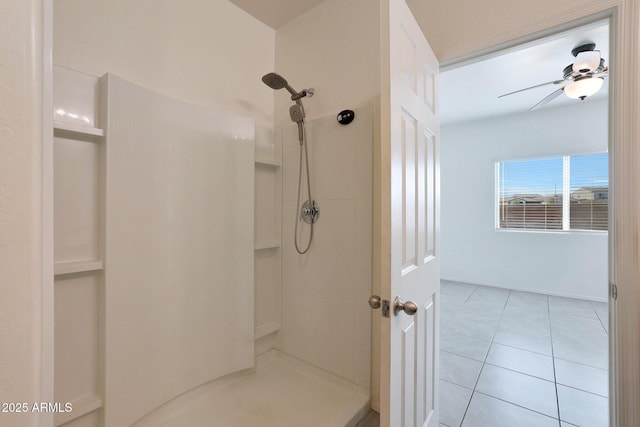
268 163
80 266
81 406
77 129
266 329
271 244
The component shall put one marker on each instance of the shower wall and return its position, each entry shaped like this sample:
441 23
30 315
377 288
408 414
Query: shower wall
342 64
178 245
24 212
190 53
209 53
146 202
325 316
193 54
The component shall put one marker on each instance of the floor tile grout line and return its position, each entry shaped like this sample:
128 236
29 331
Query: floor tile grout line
580 363
519 372
460 355
579 389
471 294
520 348
553 361
556 313
451 382
510 370
519 406
485 358
601 322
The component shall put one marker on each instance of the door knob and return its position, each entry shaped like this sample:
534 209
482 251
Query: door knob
408 307
375 301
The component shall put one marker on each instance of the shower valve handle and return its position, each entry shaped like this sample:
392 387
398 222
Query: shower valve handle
310 212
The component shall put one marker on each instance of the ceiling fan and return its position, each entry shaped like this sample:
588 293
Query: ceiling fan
582 78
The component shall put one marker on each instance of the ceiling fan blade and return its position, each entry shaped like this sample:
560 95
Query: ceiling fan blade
553 95
554 82
602 74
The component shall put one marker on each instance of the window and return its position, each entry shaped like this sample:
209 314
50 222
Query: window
556 193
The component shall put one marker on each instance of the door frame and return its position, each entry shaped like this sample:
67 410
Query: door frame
624 227
623 254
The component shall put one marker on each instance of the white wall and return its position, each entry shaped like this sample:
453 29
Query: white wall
210 53
333 48
472 250
22 237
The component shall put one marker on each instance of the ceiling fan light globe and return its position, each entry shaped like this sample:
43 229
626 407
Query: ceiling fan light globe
582 88
587 62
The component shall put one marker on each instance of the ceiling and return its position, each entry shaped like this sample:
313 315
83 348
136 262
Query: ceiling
471 91
275 13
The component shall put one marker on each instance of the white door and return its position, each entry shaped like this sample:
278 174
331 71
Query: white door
409 222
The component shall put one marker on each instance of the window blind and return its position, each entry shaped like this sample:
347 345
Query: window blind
530 194
589 208
534 194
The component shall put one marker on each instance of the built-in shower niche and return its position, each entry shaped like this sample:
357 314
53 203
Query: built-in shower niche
267 248
78 247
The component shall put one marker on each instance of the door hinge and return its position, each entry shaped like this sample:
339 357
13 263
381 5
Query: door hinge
614 291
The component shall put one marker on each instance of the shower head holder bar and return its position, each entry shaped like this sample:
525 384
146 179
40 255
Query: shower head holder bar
304 92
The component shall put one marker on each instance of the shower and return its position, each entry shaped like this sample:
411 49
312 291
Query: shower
309 211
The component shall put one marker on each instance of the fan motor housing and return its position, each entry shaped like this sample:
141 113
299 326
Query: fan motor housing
587 47
567 72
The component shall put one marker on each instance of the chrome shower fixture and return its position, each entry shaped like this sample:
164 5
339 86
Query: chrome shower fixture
276 81
296 112
309 212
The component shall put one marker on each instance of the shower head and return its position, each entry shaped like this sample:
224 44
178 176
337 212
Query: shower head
276 81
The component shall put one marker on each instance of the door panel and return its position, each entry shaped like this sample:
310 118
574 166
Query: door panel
410 212
409 338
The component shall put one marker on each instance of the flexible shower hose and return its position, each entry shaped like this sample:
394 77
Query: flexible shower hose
303 146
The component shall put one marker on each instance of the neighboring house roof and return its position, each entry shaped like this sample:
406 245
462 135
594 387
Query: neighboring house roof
525 199
593 189
591 193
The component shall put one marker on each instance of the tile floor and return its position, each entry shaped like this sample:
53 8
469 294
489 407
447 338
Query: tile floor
511 358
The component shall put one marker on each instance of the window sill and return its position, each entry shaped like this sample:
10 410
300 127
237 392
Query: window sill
552 232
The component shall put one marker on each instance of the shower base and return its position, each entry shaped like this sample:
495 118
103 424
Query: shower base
281 392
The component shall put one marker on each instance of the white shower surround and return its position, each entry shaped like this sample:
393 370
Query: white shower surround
178 247
80 162
325 318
